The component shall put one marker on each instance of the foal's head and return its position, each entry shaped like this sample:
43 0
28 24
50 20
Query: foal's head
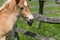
24 11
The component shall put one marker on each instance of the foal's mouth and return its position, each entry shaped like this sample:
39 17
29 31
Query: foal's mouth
30 22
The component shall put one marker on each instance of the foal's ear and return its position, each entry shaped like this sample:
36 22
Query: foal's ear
17 1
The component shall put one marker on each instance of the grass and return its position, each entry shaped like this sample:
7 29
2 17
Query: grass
46 29
1 2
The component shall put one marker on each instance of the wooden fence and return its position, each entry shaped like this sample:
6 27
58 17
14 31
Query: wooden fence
39 18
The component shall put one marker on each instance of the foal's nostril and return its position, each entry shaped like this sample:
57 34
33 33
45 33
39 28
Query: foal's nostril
31 20
21 8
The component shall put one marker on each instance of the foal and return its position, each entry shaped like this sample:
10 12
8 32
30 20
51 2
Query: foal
8 15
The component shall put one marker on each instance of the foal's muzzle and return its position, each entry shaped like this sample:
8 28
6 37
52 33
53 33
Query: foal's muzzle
30 19
30 22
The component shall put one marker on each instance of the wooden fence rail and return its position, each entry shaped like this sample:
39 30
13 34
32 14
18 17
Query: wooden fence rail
31 34
42 18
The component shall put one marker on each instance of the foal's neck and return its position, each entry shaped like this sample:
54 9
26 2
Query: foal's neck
8 16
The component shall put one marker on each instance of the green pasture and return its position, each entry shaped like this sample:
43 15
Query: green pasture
46 29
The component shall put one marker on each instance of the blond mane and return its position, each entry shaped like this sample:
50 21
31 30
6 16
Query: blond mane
4 5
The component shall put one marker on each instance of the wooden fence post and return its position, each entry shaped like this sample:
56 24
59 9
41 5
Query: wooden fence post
41 6
29 0
16 36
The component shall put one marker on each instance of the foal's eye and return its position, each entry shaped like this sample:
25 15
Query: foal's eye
21 8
